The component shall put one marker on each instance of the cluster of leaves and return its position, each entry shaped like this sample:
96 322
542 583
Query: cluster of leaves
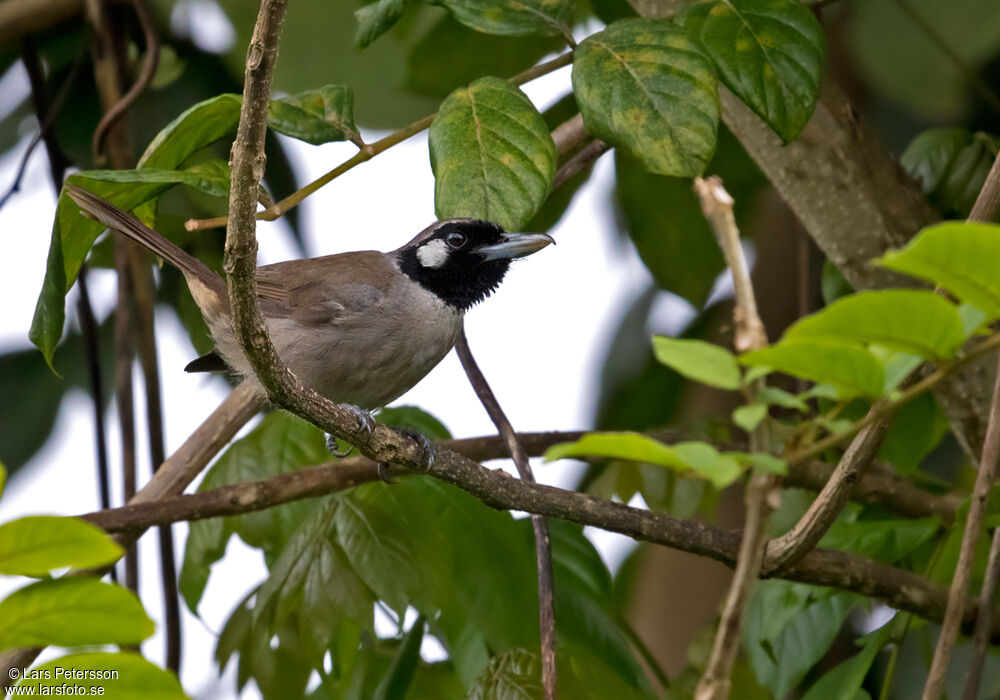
75 611
332 561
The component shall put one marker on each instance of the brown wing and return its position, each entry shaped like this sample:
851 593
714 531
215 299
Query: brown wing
324 290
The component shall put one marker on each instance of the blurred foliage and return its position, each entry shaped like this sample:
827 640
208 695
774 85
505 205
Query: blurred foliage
922 71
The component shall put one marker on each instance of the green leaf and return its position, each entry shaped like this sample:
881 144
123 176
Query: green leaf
3 477
313 583
768 52
952 165
315 116
698 458
885 540
695 359
960 256
492 155
788 628
123 676
915 321
70 612
917 427
396 681
198 126
281 443
645 86
773 396
514 17
762 462
919 56
833 284
414 418
843 682
749 417
35 545
376 19
849 367
73 234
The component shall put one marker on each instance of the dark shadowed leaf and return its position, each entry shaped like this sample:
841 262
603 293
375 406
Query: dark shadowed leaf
70 612
844 681
376 19
35 545
315 116
134 678
281 443
514 17
645 86
451 55
951 165
960 256
669 230
885 540
788 628
492 155
917 427
397 679
768 52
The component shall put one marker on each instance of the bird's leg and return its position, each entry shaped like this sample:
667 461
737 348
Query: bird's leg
365 423
425 444
334 447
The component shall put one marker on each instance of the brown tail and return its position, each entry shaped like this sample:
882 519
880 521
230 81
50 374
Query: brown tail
105 212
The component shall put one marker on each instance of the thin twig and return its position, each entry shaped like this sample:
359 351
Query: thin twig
149 64
148 360
367 153
543 542
579 162
46 115
984 621
715 682
825 509
984 209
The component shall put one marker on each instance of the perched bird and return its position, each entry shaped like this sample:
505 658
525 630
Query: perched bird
360 328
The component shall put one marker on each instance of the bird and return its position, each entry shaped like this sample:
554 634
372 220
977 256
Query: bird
360 328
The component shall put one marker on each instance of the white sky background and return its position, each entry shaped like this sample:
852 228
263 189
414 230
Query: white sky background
540 341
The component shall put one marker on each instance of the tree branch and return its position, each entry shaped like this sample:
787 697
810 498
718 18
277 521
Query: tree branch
715 682
540 526
899 588
985 206
825 509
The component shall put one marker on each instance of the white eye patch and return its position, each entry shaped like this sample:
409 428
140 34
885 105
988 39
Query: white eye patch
433 253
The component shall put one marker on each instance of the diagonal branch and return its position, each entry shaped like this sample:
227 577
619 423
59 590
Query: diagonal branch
540 526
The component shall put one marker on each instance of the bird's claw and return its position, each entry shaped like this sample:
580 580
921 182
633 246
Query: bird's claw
382 468
334 447
430 453
365 420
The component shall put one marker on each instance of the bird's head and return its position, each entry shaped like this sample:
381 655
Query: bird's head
463 260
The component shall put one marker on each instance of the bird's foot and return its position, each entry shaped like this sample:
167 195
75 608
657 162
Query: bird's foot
334 447
365 420
425 444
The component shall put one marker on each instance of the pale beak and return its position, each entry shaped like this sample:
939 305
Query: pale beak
516 245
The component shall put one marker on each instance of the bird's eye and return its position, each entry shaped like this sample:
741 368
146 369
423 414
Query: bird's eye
455 239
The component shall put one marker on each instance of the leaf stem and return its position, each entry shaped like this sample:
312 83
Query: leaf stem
367 152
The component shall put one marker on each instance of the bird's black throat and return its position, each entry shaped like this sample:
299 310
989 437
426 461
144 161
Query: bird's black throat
462 281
